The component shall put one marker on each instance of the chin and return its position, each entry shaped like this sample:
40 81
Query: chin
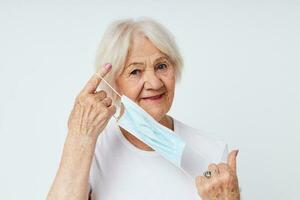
157 114
157 111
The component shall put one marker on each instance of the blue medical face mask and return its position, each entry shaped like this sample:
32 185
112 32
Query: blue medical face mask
163 140
142 125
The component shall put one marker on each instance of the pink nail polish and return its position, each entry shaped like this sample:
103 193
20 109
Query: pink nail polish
107 66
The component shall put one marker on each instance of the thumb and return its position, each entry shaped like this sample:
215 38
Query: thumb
231 159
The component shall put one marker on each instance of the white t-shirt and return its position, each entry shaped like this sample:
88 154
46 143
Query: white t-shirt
121 171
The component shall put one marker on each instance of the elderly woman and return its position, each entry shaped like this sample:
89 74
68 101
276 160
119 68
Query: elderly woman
103 161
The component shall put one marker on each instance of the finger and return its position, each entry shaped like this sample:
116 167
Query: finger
202 187
214 169
231 159
200 180
100 95
95 80
225 174
107 101
223 167
112 109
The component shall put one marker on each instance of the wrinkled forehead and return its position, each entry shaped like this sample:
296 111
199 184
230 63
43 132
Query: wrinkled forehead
147 58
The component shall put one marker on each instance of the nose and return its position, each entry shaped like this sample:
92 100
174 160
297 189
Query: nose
152 81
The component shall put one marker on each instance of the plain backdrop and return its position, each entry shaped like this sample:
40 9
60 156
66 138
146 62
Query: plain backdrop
241 83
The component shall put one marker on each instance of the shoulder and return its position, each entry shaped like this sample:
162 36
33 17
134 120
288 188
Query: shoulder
215 149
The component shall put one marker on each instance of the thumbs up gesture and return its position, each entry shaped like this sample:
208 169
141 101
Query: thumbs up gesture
220 182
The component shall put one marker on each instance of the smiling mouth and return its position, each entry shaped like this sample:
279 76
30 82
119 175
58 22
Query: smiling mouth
157 97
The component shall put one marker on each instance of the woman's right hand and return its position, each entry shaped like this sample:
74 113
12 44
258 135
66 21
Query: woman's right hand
92 109
91 112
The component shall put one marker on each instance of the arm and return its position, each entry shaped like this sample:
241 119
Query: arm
71 181
90 115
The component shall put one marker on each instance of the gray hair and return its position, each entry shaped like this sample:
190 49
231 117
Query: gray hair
115 45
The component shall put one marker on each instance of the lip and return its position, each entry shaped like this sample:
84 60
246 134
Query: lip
154 98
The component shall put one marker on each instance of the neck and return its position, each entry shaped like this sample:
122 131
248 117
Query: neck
166 121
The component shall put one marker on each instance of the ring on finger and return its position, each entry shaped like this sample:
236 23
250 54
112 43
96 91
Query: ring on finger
207 174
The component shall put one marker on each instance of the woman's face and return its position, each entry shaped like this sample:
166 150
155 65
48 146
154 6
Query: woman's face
148 78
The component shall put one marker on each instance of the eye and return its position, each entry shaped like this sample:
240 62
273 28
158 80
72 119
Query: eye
135 72
161 66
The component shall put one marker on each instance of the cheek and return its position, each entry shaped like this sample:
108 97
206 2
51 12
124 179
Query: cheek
130 90
170 87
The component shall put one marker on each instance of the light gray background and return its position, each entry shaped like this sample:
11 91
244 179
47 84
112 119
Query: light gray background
240 83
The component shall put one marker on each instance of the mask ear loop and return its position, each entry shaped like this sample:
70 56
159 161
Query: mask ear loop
120 108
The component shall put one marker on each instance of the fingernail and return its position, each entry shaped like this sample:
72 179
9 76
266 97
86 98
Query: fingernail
107 66
237 151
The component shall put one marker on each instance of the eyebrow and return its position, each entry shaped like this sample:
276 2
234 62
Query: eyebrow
141 63
135 63
162 58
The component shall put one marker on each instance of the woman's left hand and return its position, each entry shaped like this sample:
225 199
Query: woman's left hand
223 183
